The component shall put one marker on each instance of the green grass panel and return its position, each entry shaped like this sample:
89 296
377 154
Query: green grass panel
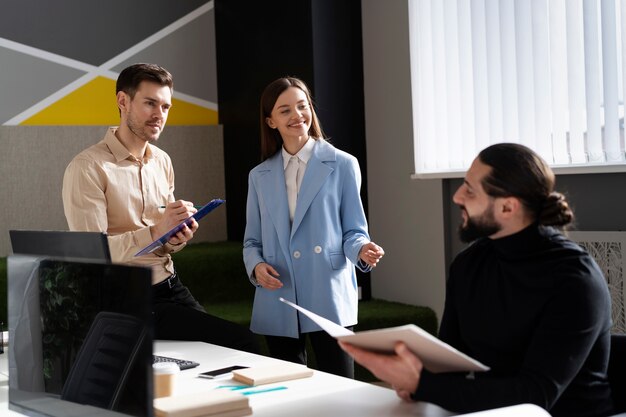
373 314
236 311
378 314
214 272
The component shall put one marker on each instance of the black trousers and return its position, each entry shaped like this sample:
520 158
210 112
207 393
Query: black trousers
328 355
178 316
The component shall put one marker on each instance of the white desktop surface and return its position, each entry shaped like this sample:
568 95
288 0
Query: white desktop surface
4 385
322 394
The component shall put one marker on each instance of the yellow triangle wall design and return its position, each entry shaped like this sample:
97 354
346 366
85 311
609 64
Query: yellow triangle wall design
94 104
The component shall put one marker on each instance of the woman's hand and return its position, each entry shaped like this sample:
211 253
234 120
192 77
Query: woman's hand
371 254
266 276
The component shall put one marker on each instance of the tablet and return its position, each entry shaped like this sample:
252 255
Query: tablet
436 355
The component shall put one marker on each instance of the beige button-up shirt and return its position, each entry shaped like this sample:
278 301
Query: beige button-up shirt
106 189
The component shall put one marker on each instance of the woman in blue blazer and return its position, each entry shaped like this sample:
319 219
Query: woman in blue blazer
304 248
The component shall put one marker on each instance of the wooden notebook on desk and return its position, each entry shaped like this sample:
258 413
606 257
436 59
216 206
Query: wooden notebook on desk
222 403
273 373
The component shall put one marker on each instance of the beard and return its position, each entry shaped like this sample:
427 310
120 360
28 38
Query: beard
141 130
479 226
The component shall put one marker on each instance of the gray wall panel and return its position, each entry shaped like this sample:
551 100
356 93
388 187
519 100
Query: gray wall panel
25 80
88 31
406 216
189 54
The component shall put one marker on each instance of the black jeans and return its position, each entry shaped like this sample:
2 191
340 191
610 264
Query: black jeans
178 316
328 355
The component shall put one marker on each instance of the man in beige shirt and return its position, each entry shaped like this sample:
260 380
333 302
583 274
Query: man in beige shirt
118 185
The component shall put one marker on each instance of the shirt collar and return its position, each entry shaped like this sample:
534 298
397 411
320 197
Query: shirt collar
118 149
304 154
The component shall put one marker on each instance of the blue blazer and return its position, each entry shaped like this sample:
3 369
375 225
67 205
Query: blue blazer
315 256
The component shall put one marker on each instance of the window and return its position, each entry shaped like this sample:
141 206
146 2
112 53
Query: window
545 73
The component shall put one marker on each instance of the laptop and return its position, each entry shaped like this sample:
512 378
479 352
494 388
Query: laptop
92 246
81 337
81 245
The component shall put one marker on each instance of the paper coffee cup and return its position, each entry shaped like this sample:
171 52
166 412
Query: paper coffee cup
164 378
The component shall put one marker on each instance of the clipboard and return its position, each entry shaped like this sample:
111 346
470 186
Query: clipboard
203 211
436 355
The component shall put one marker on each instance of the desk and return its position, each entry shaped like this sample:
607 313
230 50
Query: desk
4 386
322 394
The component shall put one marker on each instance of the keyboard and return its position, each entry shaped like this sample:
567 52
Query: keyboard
182 363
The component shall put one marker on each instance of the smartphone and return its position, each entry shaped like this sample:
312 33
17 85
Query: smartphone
218 372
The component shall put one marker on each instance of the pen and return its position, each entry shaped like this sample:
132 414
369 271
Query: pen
235 387
258 391
196 207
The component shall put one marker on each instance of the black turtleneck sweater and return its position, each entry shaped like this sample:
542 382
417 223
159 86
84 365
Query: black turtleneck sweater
535 308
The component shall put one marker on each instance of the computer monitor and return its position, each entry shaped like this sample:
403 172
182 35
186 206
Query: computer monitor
83 245
81 337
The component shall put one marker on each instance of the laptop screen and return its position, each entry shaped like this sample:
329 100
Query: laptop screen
84 245
81 337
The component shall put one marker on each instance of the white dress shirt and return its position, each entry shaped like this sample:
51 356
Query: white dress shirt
295 173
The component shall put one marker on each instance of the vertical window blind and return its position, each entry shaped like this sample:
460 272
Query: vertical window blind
545 73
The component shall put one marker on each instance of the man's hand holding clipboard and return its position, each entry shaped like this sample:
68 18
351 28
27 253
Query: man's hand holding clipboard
203 211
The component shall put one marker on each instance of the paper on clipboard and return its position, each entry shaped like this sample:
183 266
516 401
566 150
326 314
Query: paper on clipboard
437 356
203 211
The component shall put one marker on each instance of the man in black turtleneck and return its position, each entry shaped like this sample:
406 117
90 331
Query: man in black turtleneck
522 299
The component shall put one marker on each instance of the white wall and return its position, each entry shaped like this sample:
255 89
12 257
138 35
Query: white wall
406 216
